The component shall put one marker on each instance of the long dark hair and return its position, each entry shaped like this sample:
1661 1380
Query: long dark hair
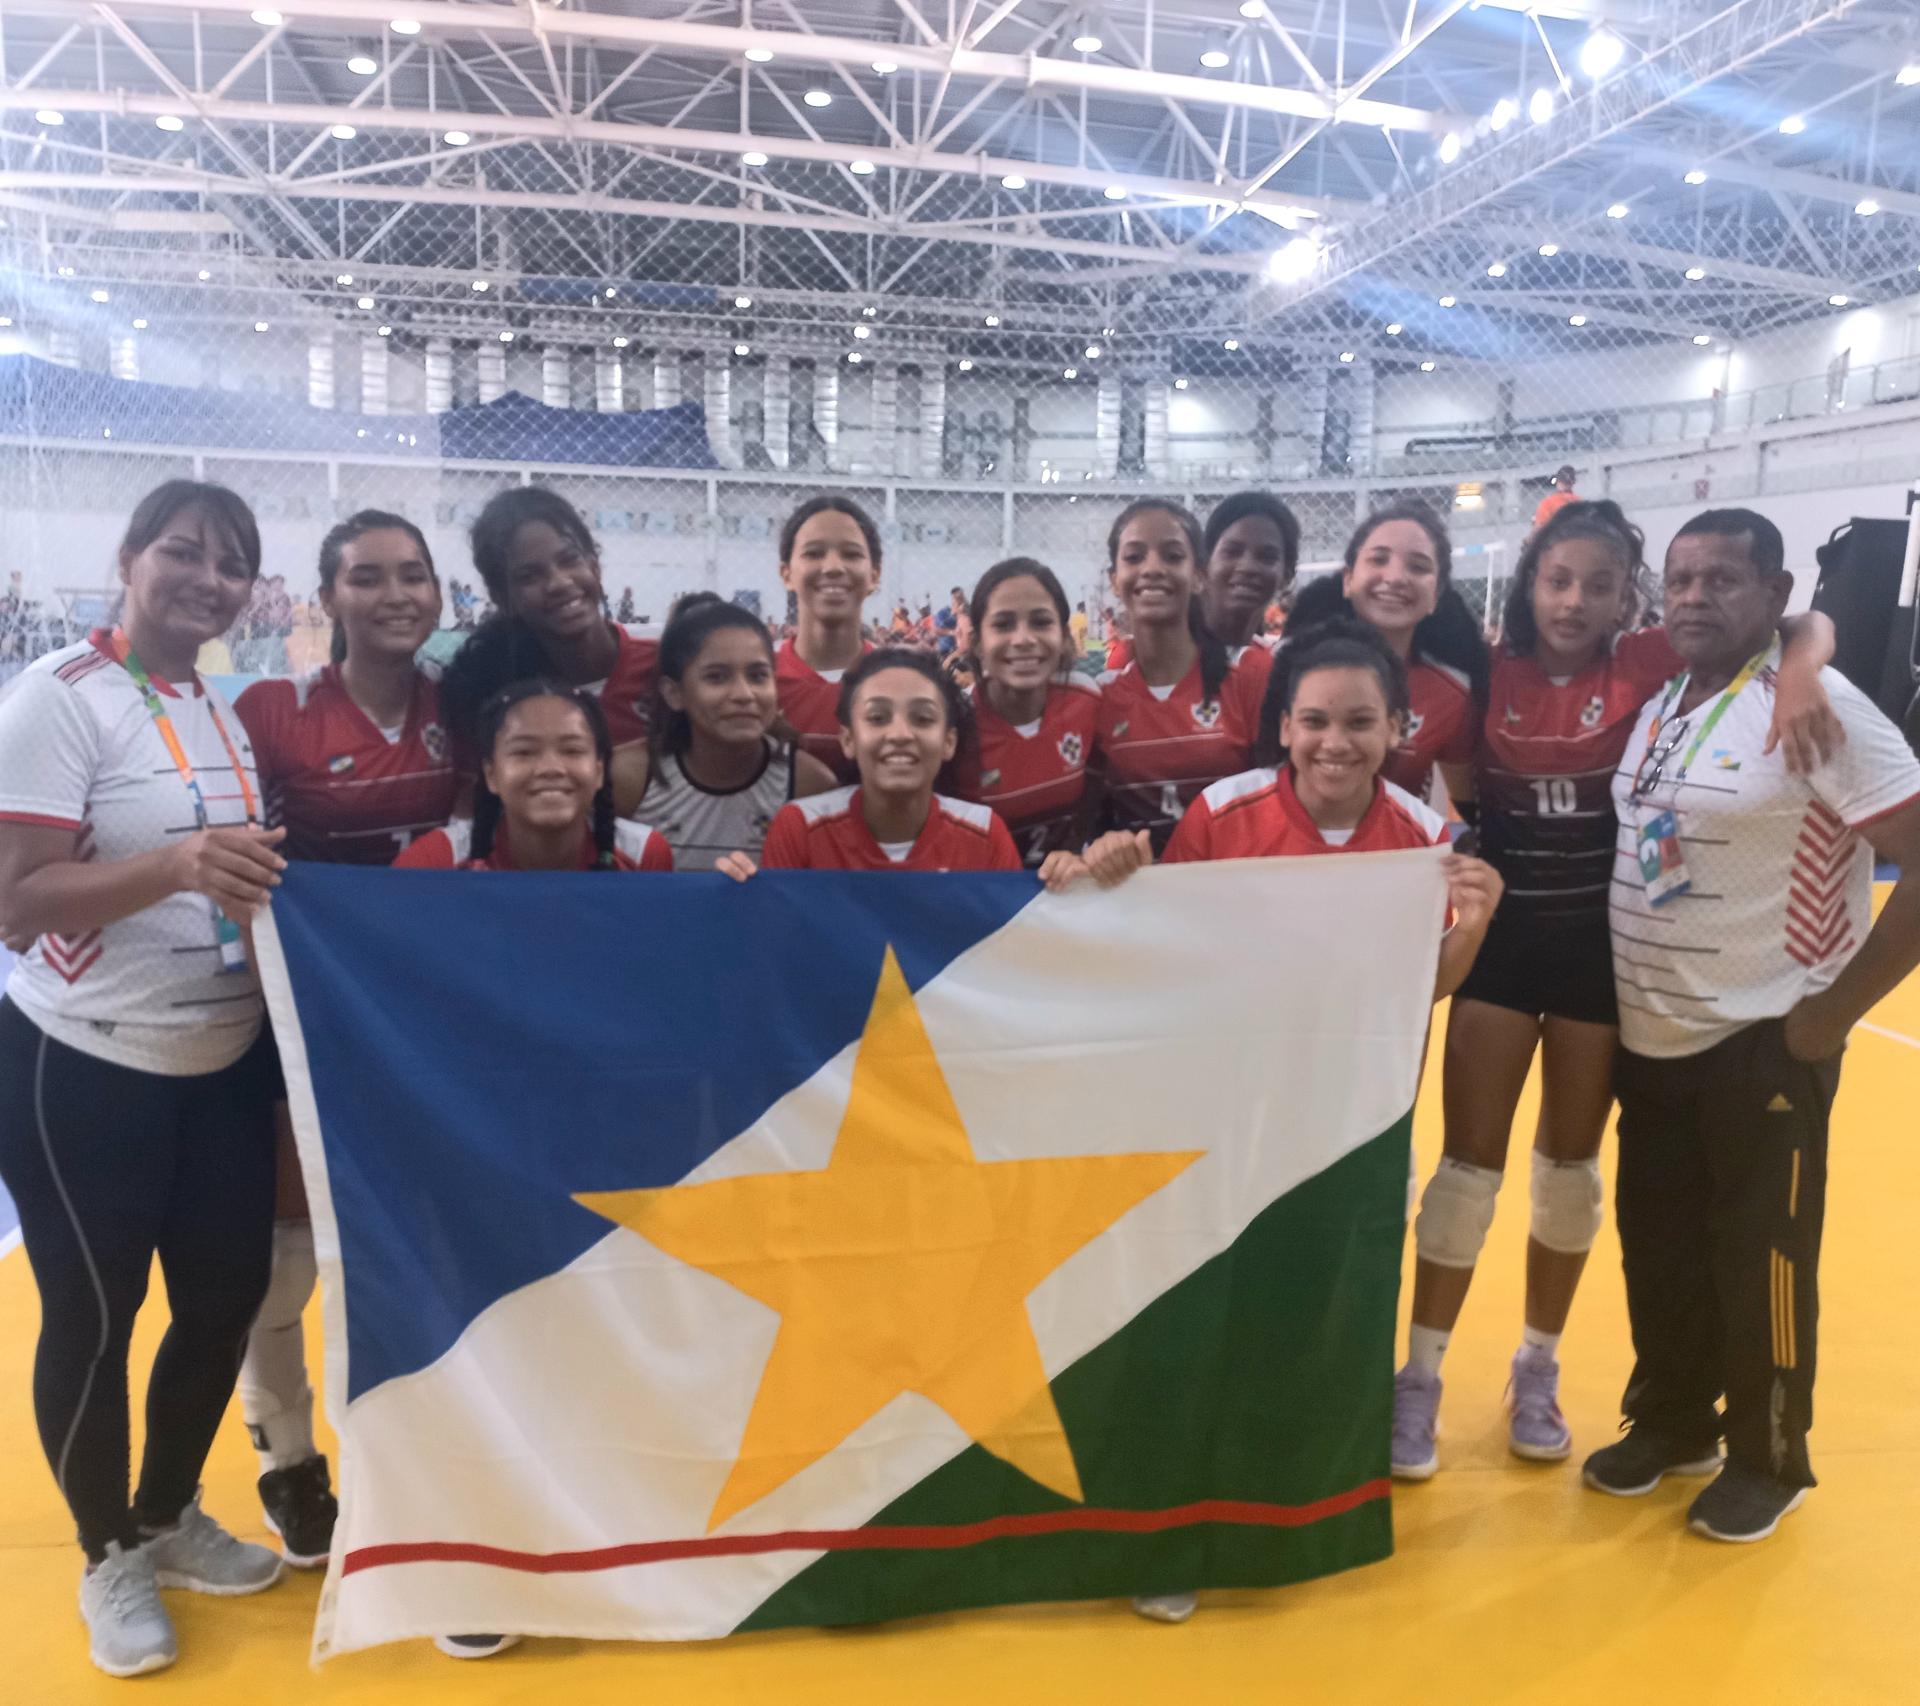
1449 636
1013 569
691 622
509 511
503 650
152 513
493 717
840 504
333 548
1598 519
1214 661
1340 643
1237 506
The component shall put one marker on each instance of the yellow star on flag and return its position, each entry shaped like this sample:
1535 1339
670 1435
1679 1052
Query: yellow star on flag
903 1265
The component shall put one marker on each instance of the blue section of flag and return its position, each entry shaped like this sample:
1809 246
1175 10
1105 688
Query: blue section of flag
482 1046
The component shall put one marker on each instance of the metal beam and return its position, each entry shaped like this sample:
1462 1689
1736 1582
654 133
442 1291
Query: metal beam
1812 185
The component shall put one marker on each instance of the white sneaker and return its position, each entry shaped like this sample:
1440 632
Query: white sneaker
128 1628
1166 1607
197 1553
474 1646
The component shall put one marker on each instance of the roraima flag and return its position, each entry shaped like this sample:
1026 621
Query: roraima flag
702 1257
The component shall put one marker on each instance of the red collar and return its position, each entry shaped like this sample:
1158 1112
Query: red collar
501 858
1291 804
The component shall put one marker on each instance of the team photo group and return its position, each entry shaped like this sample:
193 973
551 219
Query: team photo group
1658 809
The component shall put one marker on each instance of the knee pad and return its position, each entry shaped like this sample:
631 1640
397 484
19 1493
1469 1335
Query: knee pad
1455 1213
1569 1204
294 1273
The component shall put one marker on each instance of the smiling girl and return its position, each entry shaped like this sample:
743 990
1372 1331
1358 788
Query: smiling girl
719 774
830 562
1033 717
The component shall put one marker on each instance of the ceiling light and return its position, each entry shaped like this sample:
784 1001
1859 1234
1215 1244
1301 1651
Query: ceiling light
817 98
1093 352
885 67
1086 42
1116 192
1293 261
260 325
1600 53
1229 343
205 275
140 325
1837 300
267 18
993 319
1013 181
1696 177
1346 355
1576 319
1214 57
1503 113
743 300
167 121
1792 125
1696 274
405 26
344 133
1619 210
366 302
6 319
753 157
1549 250
1448 301
506 337
1702 339
861 168
99 296
1866 207
480 287
1394 330
386 331
854 356
621 342
65 272
361 66
47 116
759 55
456 139
743 349
1428 366
610 293
1540 106
966 364
1253 8
1497 270
1908 75
1180 385
870 312
1449 148
343 278
863 331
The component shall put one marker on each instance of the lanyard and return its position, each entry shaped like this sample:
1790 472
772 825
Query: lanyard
170 737
1748 671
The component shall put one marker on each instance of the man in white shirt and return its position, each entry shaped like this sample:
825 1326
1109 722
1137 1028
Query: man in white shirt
1744 952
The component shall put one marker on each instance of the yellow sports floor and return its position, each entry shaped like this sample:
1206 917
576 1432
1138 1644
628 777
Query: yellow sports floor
1510 1583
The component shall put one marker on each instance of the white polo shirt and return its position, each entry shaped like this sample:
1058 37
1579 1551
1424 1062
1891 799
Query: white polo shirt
1782 885
79 751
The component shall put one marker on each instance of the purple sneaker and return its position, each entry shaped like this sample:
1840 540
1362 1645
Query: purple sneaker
1537 1431
1416 1412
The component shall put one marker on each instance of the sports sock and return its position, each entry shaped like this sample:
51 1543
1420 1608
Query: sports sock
1426 1346
1537 1343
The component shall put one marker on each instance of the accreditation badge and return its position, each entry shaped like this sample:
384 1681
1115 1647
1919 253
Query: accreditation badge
1663 867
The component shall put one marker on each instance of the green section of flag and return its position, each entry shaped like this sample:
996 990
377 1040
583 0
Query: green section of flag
1266 1375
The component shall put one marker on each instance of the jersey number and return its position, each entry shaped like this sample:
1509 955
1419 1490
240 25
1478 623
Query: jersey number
1553 796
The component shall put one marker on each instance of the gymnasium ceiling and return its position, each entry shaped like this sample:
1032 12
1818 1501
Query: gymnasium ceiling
1301 177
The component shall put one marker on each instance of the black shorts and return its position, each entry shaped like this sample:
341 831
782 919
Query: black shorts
1558 967
269 1046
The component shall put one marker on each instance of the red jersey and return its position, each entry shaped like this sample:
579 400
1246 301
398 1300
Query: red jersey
1257 815
348 792
1119 653
1544 772
1441 727
1033 774
1159 750
627 693
635 848
810 702
828 832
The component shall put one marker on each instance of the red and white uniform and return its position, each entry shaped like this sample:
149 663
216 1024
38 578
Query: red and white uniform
79 751
348 791
1544 773
828 832
1160 746
1034 774
810 702
635 848
1441 727
1257 815
626 695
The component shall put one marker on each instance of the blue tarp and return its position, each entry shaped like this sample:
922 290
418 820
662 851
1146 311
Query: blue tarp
39 399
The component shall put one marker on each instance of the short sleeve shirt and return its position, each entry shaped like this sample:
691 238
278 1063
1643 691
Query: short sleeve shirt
828 832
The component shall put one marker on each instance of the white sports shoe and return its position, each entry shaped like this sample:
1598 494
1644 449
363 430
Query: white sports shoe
129 1630
197 1553
1166 1607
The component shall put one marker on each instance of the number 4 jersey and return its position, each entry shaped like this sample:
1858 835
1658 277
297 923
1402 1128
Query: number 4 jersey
1544 773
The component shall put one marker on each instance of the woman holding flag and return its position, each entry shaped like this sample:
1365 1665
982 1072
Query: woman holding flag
136 1102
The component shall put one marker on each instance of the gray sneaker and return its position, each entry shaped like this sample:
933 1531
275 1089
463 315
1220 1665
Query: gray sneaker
197 1553
1166 1607
1536 1430
128 1628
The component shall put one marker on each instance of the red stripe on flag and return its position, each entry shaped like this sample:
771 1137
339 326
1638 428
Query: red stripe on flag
945 1537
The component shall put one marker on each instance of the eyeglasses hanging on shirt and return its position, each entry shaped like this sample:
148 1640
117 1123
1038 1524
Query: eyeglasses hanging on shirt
227 936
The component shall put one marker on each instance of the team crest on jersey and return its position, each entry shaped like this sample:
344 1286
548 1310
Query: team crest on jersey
434 738
1072 750
1723 759
341 765
1591 712
1206 713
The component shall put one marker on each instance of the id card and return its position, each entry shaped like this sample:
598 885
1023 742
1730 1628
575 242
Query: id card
1663 867
231 943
